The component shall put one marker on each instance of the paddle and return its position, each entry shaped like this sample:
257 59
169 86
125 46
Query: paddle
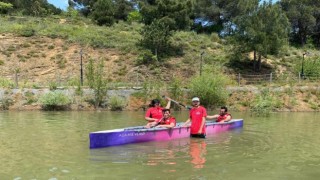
187 107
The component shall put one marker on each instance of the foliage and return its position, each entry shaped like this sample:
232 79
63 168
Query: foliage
116 103
210 87
53 85
134 16
96 81
30 98
311 67
155 37
26 31
5 7
103 12
5 83
174 14
5 103
54 100
304 18
263 104
33 7
221 13
263 32
122 9
146 57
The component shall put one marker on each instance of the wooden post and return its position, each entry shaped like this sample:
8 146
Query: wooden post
299 77
239 79
16 78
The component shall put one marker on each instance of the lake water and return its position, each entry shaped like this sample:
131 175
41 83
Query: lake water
55 145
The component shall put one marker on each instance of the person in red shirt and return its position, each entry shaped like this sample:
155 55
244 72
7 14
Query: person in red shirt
166 122
223 115
154 113
197 118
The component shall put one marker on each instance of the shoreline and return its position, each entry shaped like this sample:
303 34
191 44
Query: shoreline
301 98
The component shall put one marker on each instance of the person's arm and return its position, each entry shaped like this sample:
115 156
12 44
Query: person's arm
202 124
148 116
150 119
213 116
228 118
171 125
150 124
169 103
187 122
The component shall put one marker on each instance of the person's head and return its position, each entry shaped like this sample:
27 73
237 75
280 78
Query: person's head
166 113
195 102
155 103
223 110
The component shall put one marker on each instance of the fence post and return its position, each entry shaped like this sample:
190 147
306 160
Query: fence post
270 77
299 77
239 79
16 78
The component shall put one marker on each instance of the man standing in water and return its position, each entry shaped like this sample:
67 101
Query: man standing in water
197 118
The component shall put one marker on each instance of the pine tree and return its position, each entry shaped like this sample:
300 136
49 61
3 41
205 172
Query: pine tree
264 32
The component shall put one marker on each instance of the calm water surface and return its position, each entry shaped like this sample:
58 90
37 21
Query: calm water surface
54 145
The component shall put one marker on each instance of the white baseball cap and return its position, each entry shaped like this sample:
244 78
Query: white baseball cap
195 99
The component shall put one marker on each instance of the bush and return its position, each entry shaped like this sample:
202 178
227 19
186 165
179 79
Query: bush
116 103
6 103
5 83
210 87
26 32
53 85
263 104
54 100
95 77
146 57
134 16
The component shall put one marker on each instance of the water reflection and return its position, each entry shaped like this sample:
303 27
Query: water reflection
198 152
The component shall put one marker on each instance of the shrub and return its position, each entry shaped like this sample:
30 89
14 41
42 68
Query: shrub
263 104
134 16
146 57
5 83
6 103
96 81
210 87
54 100
53 85
26 32
117 103
30 98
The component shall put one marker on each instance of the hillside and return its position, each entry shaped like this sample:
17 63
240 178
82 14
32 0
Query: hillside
51 52
46 51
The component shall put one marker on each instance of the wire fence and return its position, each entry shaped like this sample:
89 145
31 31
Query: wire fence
269 78
137 81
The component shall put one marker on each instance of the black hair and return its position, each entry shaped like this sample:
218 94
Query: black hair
165 110
154 102
225 108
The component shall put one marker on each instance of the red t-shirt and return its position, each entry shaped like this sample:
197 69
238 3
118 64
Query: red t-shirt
222 117
154 112
167 121
196 115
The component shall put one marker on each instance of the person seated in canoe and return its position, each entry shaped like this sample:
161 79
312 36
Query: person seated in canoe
154 113
223 115
197 117
167 121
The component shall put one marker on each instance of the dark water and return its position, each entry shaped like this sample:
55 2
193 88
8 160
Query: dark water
54 145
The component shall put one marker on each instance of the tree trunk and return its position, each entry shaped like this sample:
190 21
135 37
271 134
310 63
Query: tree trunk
254 60
259 63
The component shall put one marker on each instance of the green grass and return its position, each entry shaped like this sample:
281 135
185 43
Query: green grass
121 36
